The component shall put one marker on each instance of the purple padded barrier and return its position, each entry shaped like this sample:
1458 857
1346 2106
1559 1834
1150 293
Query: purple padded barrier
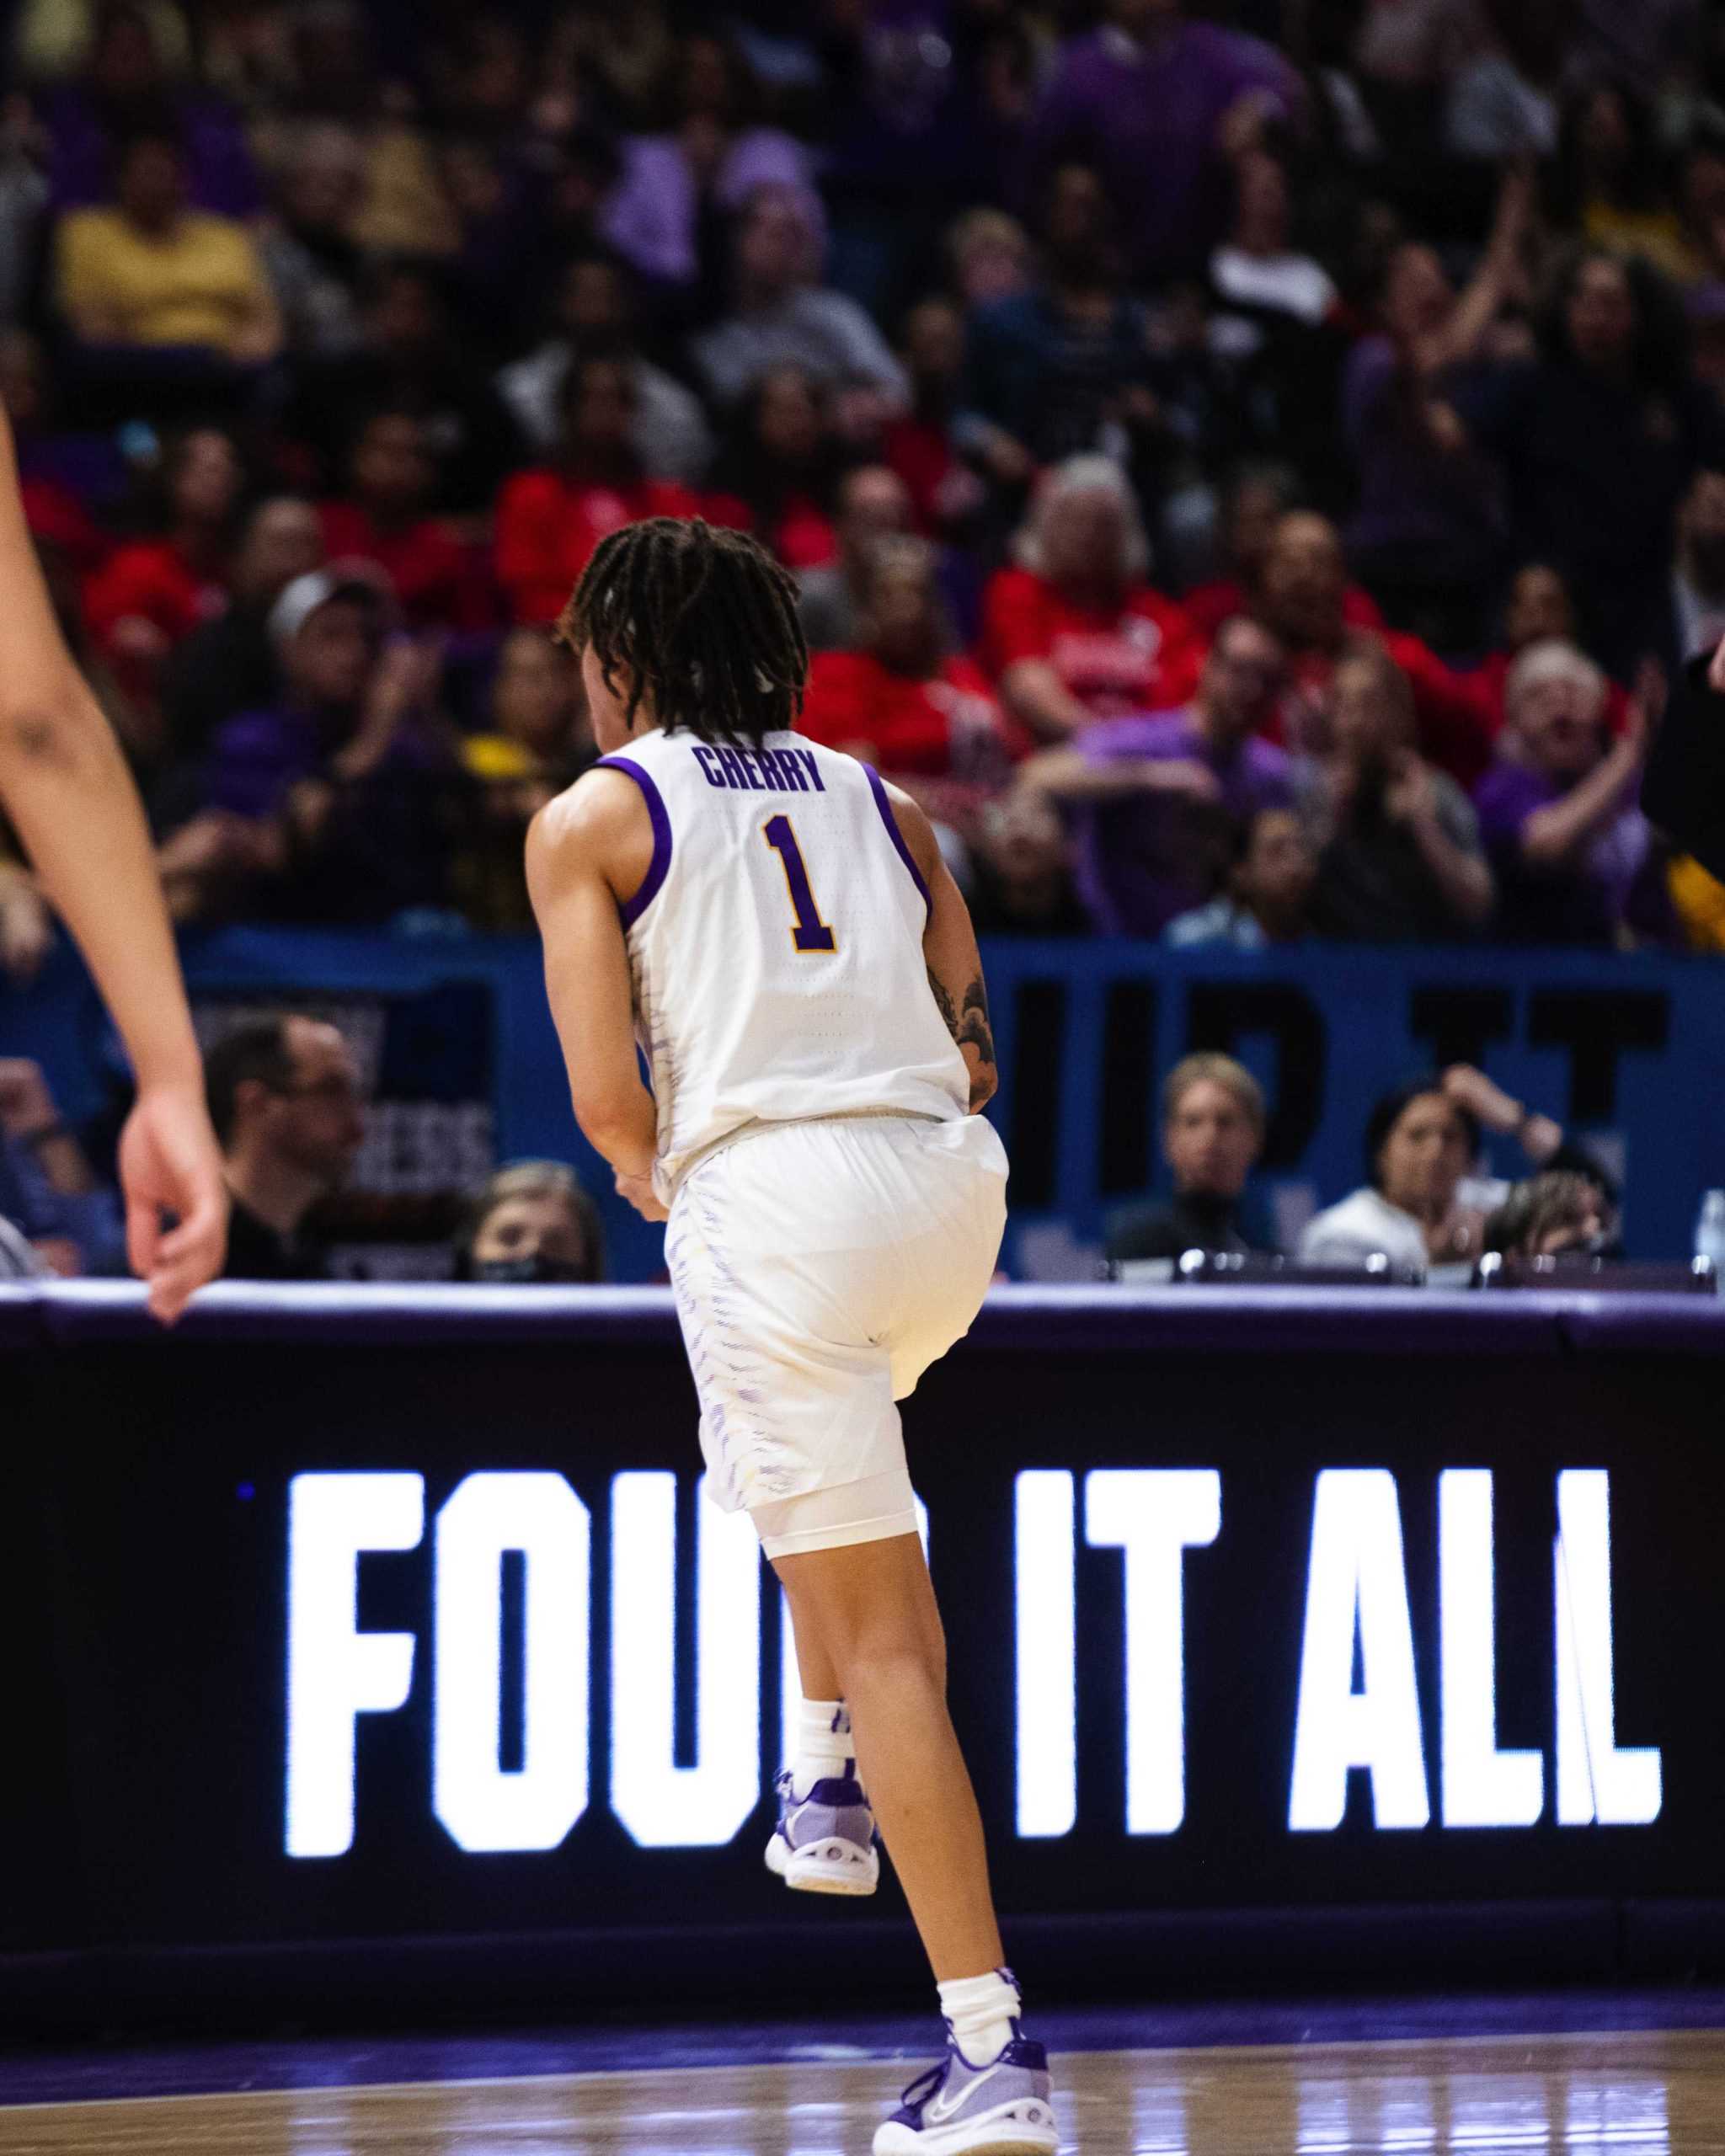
1625 1325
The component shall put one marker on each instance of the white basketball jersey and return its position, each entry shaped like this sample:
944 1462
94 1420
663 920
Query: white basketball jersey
777 945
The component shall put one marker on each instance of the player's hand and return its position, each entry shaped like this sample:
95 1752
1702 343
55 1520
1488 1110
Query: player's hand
639 1192
168 1163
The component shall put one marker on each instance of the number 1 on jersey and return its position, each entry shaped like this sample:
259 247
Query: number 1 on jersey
811 933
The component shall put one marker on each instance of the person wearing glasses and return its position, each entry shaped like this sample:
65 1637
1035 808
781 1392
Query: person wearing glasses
289 1110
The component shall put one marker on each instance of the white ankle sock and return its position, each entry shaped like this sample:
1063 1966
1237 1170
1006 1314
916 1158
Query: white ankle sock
981 2011
824 1750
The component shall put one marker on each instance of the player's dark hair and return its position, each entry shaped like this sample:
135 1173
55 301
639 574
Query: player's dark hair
258 1050
703 623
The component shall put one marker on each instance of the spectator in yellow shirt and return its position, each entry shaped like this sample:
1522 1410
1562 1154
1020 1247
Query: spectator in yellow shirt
151 271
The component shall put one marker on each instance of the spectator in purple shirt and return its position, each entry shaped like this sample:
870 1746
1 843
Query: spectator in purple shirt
1159 105
1157 796
1558 810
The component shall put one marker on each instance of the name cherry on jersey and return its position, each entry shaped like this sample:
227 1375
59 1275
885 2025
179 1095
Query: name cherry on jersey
759 771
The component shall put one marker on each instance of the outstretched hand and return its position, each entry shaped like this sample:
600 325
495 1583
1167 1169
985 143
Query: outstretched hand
168 1163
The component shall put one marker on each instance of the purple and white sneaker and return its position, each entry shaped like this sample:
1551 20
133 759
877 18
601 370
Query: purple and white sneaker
823 1843
956 2108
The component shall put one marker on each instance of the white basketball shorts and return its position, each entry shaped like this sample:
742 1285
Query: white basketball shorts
819 1268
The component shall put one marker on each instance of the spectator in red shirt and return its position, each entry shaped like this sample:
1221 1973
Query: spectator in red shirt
550 520
777 472
154 592
1304 600
873 504
1538 609
947 494
391 478
1257 497
1076 633
904 702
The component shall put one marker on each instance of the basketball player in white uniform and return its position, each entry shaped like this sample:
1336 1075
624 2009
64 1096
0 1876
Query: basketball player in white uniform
777 928
64 783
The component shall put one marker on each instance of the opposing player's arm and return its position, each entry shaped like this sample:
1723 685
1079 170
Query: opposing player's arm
585 851
949 949
65 785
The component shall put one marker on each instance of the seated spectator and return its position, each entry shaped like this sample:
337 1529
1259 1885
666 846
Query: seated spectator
1054 370
903 702
1574 853
1213 1127
533 1225
1611 181
1503 103
1400 858
1549 1215
1419 1144
58 473
1155 798
311 249
595 318
1541 1139
154 592
1698 574
384 516
1303 600
1102 101
1267 898
537 743
152 272
1257 497
48 1190
990 256
412 357
289 1109
1255 273
340 802
228 665
872 503
1022 872
777 474
550 520
945 494
1538 609
779 316
1075 632
707 164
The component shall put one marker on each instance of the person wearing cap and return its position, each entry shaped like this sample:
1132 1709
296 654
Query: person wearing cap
335 803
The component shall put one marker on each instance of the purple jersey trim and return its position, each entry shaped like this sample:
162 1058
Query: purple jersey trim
659 866
895 834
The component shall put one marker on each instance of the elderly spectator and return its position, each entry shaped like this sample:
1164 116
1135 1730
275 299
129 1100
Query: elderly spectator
1400 855
537 743
1549 1215
1022 870
1574 853
779 315
550 520
1075 632
228 665
872 503
152 272
1303 598
1419 1144
706 164
1539 608
533 1225
312 250
1268 897
1155 798
1110 101
338 803
384 516
289 1109
48 1191
777 474
1213 1127
154 592
595 318
904 702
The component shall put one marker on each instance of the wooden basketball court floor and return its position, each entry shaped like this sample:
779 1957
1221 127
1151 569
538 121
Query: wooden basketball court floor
1623 2092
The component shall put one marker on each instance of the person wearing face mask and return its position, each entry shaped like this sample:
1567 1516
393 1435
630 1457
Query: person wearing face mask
1574 855
1419 1144
531 1225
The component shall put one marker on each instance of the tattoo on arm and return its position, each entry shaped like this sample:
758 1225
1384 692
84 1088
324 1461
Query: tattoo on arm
943 1003
969 1027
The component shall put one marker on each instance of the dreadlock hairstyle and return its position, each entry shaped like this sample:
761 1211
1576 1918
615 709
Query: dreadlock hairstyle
703 623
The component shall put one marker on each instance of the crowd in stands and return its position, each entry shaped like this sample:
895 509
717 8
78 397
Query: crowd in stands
1253 471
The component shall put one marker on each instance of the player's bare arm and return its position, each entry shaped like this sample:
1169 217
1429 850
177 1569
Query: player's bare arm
587 852
66 787
949 946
